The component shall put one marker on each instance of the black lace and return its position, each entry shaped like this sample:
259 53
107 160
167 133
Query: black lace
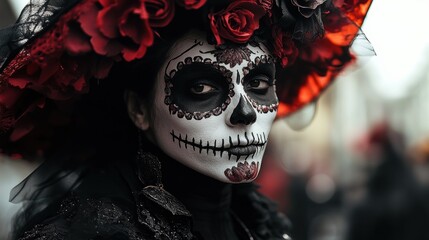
35 18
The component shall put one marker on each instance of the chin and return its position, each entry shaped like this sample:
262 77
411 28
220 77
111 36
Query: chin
243 171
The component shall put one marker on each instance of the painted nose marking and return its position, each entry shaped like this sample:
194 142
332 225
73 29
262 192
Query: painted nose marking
243 113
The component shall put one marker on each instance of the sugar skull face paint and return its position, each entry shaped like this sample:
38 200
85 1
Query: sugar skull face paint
213 108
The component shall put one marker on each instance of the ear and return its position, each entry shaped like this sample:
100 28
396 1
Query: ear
137 109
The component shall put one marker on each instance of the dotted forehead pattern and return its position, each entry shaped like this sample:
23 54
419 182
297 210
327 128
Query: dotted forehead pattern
264 59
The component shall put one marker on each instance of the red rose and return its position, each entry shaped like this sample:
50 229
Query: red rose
161 12
284 47
76 41
266 4
237 22
120 27
55 66
307 7
191 4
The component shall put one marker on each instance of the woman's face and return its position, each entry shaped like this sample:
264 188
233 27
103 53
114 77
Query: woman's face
213 109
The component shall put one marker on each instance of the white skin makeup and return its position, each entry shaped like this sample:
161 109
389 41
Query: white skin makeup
213 109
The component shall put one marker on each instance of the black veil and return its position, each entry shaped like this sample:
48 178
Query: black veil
35 18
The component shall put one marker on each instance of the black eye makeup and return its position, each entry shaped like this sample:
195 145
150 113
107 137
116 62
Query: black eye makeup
198 89
202 89
259 84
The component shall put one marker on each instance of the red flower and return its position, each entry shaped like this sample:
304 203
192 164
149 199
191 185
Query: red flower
55 66
266 4
191 4
237 22
120 27
284 47
161 12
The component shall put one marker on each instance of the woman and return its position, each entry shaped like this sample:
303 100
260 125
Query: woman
197 79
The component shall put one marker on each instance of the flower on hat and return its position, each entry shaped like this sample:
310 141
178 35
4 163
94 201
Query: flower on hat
191 4
119 28
237 22
266 4
161 12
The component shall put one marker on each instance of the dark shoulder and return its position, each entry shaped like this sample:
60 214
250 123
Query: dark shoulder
113 183
108 205
102 206
87 218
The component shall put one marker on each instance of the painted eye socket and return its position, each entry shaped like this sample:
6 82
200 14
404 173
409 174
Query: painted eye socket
202 88
258 84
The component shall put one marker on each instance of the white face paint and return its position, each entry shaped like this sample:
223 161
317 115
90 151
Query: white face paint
214 108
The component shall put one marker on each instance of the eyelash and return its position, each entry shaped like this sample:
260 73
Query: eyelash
213 88
260 78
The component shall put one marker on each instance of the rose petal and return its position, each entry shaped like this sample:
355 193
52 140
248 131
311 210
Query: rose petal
80 84
20 82
237 22
9 96
191 4
76 42
130 26
161 12
214 28
106 3
107 20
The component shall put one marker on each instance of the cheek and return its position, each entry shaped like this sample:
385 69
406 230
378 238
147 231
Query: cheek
265 120
166 117
165 123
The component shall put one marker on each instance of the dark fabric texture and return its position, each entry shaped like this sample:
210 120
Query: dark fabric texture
123 201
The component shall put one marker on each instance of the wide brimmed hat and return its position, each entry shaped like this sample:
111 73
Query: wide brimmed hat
58 48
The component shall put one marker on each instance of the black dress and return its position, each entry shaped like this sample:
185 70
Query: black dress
153 197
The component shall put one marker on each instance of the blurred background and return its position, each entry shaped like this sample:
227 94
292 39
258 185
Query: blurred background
355 164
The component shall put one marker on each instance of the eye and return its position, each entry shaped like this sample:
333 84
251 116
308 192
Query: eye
258 84
201 88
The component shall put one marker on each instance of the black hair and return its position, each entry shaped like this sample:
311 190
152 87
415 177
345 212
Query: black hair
103 122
